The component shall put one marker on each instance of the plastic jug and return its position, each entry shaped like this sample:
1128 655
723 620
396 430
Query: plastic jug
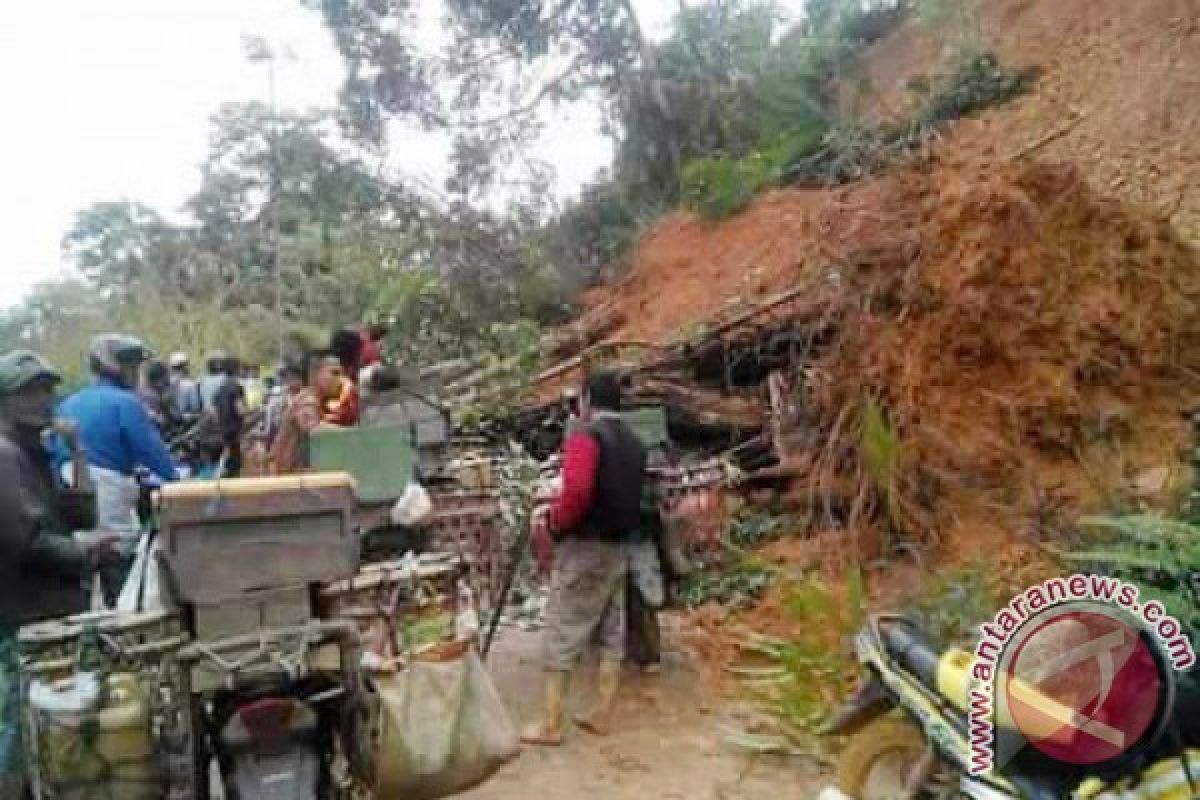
94 744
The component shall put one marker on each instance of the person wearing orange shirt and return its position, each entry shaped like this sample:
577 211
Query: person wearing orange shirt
290 451
344 407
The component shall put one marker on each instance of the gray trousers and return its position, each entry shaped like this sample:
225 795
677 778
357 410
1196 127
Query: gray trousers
587 600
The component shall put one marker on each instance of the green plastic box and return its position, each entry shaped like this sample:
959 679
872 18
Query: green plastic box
380 457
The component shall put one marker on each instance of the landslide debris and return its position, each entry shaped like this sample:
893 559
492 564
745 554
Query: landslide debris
1011 347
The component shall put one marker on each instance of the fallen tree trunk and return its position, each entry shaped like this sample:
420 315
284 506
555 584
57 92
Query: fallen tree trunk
585 332
480 377
703 404
592 352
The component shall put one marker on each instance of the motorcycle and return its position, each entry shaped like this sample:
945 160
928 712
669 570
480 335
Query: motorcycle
273 726
908 726
272 710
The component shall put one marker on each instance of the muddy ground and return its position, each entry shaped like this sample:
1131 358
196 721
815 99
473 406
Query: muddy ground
668 743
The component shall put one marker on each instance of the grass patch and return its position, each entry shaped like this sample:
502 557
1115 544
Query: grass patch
955 603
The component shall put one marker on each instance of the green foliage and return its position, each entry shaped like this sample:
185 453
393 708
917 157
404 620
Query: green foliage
953 605
595 231
737 588
720 187
418 632
453 280
878 445
726 105
813 669
802 134
496 67
1159 554
751 528
726 82
742 585
717 188
851 151
978 82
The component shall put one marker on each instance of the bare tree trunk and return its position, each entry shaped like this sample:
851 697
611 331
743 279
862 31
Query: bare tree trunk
653 80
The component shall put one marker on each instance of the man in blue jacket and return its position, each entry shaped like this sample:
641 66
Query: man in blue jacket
119 437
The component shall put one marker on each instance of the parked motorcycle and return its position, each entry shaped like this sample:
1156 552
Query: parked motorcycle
275 726
908 727
275 690
238 682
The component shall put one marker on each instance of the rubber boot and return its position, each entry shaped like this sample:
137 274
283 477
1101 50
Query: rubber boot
546 731
598 719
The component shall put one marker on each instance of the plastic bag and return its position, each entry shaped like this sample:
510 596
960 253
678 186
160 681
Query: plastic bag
443 729
142 591
413 507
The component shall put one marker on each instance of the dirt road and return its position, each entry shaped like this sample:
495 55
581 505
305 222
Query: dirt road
668 744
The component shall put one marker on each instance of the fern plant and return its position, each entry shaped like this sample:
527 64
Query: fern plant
813 670
1159 554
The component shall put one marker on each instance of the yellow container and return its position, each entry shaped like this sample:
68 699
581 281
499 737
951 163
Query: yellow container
106 752
1043 717
954 677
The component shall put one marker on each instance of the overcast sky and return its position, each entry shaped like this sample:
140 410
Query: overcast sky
110 99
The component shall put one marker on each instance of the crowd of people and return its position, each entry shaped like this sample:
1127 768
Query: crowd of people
79 465
233 421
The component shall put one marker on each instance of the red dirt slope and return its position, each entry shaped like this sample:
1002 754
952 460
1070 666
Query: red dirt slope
1119 97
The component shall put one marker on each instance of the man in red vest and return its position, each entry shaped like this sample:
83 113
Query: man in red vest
597 513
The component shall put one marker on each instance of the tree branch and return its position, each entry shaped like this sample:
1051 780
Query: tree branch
532 104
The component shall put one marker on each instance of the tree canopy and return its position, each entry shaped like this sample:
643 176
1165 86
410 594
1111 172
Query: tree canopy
299 212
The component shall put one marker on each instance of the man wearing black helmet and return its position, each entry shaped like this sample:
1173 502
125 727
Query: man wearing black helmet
42 568
119 438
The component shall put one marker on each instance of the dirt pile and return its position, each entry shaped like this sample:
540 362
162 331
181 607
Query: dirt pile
1015 339
1026 343
687 272
1012 347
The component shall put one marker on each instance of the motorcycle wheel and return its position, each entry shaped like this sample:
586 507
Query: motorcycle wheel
877 761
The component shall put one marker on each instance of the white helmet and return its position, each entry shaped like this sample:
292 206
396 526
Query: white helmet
178 360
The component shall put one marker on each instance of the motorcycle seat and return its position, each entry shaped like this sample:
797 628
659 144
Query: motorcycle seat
912 648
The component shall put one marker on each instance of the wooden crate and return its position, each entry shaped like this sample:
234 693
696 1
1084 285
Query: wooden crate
467 524
222 539
382 596
253 611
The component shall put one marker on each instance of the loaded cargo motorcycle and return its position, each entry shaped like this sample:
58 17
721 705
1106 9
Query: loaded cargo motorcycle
908 727
242 679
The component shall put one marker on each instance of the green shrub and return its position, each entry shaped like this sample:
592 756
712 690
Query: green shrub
752 527
812 671
851 151
979 82
1159 554
953 605
717 188
737 588
597 230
